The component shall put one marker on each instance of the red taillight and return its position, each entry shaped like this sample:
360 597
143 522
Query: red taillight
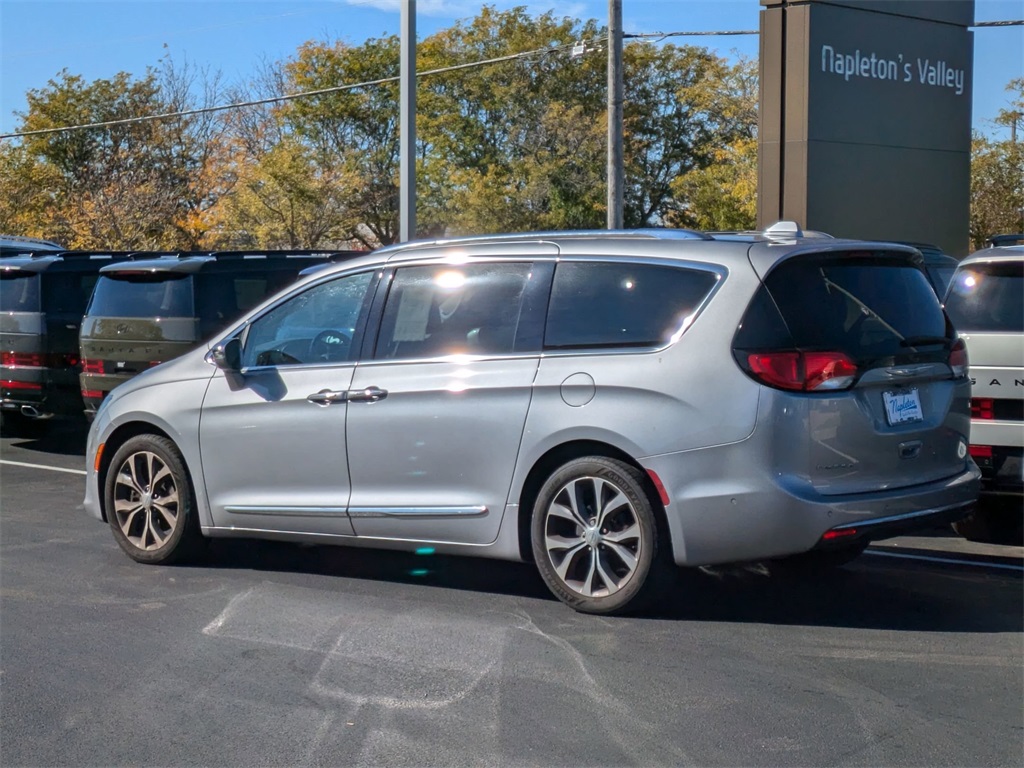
92 366
958 359
839 534
981 451
93 394
982 408
21 359
5 384
803 371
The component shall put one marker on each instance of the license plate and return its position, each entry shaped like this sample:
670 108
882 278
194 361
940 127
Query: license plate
902 407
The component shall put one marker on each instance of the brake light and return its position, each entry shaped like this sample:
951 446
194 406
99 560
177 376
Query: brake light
5 384
92 366
981 451
982 408
21 359
803 371
839 534
958 359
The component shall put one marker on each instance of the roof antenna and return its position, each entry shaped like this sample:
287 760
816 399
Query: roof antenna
784 228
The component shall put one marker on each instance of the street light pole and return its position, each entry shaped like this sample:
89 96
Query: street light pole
407 125
615 164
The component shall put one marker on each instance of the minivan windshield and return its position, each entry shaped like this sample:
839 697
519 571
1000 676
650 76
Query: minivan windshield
19 292
142 294
988 297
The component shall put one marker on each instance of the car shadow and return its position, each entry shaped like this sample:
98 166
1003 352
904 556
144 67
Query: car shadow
58 437
871 593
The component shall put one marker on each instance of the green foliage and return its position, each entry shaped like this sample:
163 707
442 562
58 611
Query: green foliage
514 145
997 175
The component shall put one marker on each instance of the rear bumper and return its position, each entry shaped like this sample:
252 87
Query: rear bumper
895 525
723 509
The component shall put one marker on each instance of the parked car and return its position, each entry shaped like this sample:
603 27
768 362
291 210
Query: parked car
938 266
986 304
605 404
13 245
155 307
1003 240
42 299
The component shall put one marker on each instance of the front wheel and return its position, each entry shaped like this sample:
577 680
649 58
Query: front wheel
150 502
595 536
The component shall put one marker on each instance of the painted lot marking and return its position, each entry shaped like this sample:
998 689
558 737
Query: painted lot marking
43 466
951 560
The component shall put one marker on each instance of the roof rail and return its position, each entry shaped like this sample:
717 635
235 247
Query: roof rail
279 252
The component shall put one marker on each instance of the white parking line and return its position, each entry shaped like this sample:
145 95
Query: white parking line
42 466
954 561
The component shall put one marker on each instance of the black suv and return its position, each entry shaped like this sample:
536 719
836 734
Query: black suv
42 299
153 308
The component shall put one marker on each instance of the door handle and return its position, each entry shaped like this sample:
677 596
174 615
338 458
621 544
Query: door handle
368 395
327 396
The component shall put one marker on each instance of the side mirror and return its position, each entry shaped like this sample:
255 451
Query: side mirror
228 355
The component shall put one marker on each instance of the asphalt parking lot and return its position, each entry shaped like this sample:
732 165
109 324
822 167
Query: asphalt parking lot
274 654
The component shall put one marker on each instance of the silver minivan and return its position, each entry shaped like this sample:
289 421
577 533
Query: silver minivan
603 404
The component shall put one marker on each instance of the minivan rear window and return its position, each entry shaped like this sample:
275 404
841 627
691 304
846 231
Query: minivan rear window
143 294
866 305
19 292
988 297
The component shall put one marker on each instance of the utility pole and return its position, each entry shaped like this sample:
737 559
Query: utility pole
407 125
615 166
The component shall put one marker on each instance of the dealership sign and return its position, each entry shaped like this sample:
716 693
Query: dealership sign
916 70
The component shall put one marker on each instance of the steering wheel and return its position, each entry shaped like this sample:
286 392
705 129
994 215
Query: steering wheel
329 346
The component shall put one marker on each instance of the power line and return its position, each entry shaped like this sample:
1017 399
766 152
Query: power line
287 97
657 36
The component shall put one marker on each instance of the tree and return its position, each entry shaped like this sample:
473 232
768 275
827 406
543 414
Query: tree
144 184
997 176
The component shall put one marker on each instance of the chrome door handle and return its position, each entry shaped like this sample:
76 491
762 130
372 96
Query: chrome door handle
327 396
368 395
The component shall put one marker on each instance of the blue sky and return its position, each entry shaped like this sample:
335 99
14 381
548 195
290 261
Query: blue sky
98 38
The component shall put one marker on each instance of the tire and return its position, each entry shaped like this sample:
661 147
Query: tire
154 523
993 521
595 536
817 561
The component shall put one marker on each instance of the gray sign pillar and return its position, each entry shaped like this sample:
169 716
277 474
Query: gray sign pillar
865 119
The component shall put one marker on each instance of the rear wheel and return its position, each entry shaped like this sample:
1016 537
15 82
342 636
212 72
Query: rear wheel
993 521
150 502
594 536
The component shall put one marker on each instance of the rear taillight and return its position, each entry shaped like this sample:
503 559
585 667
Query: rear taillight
5 384
92 366
981 451
21 359
92 394
982 408
958 359
803 371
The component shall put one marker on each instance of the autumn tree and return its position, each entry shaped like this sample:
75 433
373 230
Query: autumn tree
997 174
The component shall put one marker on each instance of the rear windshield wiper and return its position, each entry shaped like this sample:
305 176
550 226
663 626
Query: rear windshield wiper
924 341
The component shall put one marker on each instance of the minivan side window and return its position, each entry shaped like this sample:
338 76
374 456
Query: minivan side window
613 304
315 326
442 310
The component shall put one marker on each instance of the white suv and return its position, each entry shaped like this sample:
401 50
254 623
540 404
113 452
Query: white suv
985 301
